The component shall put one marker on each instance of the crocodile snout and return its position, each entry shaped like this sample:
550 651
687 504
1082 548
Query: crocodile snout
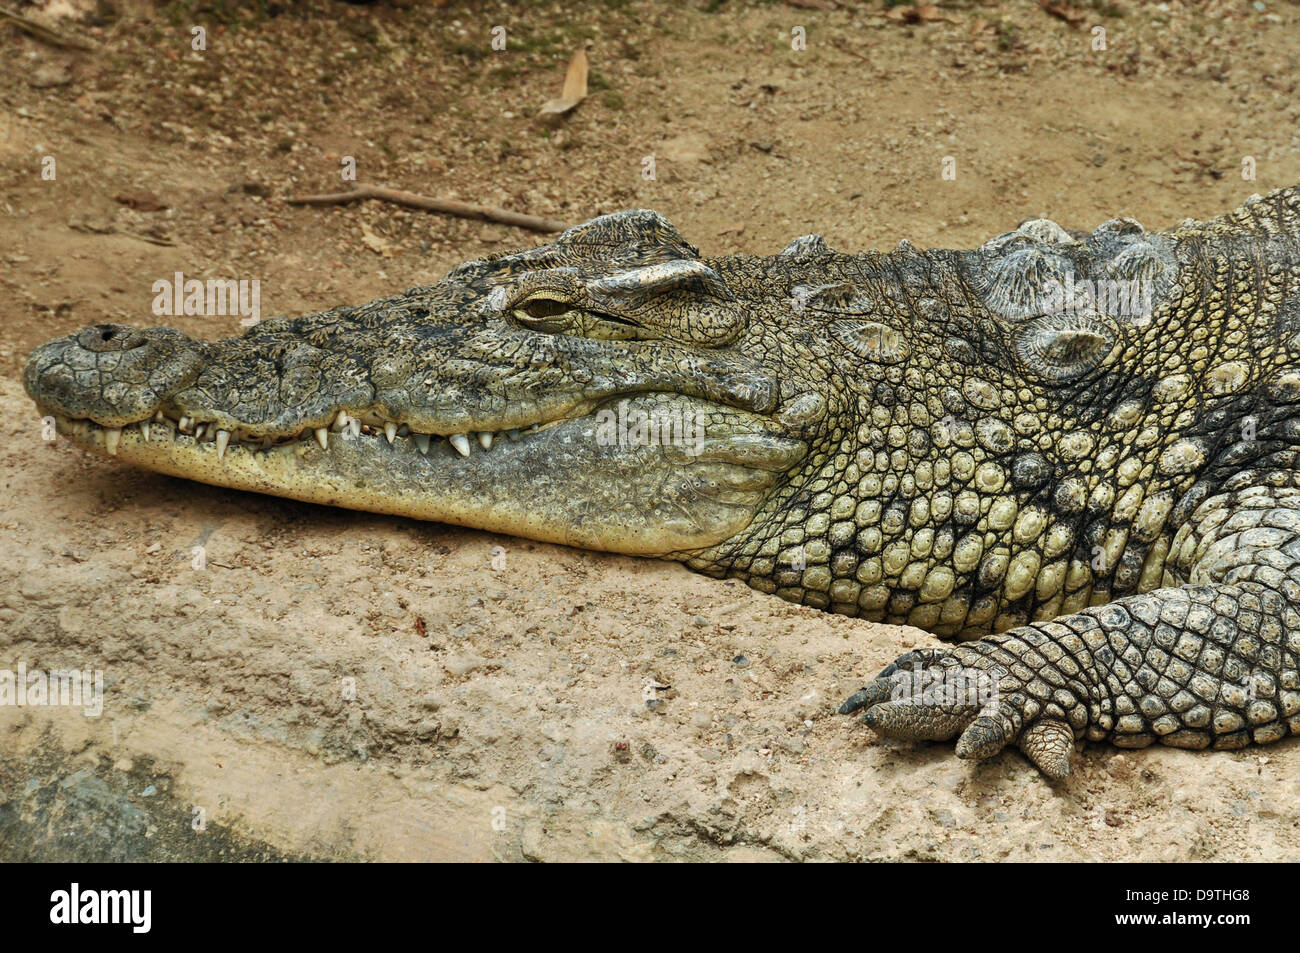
111 374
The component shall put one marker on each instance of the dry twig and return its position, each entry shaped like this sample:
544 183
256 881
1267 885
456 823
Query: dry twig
42 32
449 206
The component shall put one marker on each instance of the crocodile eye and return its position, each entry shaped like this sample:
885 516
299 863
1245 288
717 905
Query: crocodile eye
548 315
541 308
552 316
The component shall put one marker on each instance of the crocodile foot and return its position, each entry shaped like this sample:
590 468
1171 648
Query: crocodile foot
974 694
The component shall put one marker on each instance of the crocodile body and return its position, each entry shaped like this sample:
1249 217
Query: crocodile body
1077 455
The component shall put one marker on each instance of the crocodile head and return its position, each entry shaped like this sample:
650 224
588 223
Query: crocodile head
609 391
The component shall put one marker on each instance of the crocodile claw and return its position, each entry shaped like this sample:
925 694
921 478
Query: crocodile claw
873 694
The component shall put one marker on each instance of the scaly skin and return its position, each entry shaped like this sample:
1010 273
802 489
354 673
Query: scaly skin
921 437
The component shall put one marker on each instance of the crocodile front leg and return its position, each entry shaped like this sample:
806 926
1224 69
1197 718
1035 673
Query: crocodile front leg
1213 663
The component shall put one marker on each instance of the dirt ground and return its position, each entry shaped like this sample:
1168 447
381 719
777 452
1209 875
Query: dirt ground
341 685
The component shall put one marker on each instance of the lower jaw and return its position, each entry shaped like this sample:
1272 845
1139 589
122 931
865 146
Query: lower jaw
558 484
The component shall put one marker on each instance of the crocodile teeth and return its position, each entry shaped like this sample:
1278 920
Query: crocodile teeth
343 422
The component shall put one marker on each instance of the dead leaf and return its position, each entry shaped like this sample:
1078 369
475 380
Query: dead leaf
575 79
573 93
932 14
376 243
141 200
926 12
1070 15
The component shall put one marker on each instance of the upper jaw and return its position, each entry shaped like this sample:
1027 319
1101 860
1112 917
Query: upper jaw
229 393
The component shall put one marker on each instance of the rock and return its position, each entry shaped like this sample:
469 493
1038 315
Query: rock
48 75
459 665
432 701
687 149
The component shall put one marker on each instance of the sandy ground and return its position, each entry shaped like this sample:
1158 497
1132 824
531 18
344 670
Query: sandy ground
340 685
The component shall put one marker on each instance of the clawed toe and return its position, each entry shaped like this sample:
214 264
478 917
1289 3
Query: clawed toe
875 693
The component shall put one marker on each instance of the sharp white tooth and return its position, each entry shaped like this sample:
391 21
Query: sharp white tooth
354 426
111 436
223 439
323 438
485 440
390 431
158 417
144 429
340 421
513 434
198 432
533 428
461 443
183 424
422 441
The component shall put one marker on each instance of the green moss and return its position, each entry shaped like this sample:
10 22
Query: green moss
231 13
1008 36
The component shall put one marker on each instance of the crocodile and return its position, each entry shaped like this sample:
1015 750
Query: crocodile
1074 456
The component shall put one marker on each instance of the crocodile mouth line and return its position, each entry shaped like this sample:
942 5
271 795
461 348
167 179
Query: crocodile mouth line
651 497
185 431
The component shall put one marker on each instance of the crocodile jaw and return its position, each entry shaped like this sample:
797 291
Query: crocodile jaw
566 483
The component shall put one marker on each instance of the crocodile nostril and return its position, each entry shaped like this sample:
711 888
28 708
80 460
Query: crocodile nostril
111 337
